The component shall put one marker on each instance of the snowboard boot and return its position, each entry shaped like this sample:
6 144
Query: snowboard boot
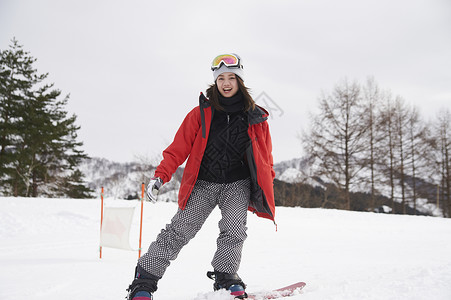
230 282
143 286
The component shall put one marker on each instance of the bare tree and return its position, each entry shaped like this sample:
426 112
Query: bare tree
442 130
365 135
419 149
388 162
396 118
337 137
373 98
401 121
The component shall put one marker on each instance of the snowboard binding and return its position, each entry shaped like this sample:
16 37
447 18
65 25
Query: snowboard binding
230 282
143 286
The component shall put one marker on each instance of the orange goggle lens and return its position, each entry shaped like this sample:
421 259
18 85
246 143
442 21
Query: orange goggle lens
230 60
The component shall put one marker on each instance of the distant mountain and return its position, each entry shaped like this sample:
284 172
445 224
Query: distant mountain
123 180
295 185
120 180
296 170
295 163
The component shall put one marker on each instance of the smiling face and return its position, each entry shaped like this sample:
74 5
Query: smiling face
227 84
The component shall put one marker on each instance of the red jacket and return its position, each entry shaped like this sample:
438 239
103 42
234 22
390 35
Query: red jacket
191 140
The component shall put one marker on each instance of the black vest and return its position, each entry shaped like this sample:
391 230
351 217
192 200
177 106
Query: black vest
224 157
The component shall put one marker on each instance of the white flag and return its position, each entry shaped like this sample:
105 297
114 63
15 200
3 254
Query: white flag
116 226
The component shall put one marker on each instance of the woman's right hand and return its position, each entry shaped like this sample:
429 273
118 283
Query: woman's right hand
153 188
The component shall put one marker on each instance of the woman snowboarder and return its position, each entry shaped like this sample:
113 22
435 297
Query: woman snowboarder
228 145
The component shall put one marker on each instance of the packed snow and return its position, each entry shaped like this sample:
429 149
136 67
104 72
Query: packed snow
49 249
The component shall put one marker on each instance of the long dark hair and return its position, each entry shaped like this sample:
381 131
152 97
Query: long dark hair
213 95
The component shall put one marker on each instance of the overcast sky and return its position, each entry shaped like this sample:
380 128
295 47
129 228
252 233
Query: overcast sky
133 69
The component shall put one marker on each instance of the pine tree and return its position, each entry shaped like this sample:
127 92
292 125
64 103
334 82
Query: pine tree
17 77
73 186
39 147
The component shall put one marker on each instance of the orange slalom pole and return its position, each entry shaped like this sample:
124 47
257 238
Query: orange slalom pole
101 218
141 221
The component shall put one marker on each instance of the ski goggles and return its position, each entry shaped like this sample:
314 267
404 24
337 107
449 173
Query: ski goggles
229 60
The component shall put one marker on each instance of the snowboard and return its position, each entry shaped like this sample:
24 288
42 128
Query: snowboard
279 293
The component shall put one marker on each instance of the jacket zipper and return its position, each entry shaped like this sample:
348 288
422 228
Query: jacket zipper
227 137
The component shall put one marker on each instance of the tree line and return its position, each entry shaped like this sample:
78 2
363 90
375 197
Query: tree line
39 151
366 147
366 139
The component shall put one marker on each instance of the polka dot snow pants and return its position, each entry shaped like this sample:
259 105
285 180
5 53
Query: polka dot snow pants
232 198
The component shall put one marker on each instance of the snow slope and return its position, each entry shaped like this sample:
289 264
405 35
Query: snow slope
49 250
